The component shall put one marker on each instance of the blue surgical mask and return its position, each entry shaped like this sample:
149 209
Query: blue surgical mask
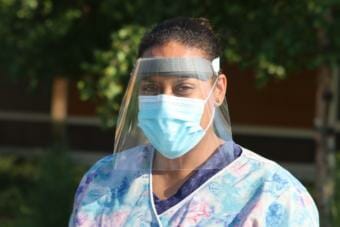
172 124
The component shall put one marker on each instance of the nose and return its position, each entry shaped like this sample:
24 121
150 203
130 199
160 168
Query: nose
167 90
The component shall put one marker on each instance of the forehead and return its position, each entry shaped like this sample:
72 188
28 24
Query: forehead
174 49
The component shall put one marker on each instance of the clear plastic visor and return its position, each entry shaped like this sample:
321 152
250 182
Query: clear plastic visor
173 117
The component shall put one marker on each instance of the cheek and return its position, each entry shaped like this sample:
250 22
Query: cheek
203 89
198 92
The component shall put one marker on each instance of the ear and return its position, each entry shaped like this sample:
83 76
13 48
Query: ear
221 89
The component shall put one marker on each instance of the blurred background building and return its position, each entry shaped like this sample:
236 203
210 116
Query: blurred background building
77 56
275 120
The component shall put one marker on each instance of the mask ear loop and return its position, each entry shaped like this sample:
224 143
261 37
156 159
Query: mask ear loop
211 90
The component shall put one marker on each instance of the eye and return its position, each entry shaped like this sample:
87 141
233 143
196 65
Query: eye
184 89
149 89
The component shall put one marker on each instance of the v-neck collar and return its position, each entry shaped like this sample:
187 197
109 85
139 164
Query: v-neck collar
236 164
223 156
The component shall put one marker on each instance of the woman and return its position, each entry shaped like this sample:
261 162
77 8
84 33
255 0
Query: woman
174 162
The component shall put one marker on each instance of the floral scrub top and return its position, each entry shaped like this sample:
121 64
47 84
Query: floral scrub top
248 191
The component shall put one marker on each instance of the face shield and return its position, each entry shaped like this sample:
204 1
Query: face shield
174 116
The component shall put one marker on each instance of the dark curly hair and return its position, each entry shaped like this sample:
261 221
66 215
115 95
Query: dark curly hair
191 32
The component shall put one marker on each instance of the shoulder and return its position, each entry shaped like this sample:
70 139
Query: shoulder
110 171
108 177
121 160
283 197
273 173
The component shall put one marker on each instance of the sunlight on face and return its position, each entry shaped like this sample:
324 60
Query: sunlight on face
177 86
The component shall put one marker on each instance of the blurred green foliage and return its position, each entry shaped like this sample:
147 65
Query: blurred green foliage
108 76
94 42
38 191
